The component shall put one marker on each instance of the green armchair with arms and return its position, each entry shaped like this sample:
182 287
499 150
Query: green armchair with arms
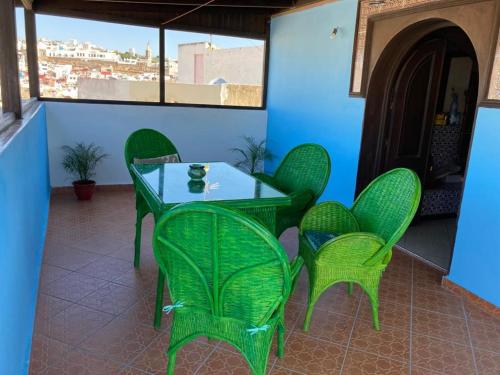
354 245
303 174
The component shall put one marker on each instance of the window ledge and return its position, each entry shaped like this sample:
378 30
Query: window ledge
153 104
10 126
6 119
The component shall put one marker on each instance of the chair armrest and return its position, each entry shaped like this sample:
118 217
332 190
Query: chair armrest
265 178
352 249
331 217
301 199
296 266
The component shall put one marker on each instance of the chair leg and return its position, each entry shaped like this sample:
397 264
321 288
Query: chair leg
281 340
372 293
307 320
350 288
311 301
171 363
159 298
374 303
137 243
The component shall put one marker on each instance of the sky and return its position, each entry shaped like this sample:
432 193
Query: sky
120 37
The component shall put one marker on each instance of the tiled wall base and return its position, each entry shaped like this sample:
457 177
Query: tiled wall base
471 297
109 188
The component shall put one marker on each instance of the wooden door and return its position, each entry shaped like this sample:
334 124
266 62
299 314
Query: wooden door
412 108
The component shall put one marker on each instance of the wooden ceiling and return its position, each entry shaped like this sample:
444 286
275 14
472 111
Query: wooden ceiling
228 17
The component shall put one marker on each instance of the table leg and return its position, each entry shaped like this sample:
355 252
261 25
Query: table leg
137 241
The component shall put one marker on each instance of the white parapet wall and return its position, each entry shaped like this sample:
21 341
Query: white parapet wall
200 134
186 93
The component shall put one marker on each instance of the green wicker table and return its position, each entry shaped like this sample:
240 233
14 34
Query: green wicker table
164 186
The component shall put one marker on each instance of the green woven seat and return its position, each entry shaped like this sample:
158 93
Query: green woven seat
229 279
144 144
362 237
303 174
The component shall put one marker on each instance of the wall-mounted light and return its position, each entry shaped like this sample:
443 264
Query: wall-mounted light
334 32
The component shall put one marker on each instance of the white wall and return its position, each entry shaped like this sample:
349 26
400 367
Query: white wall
200 134
243 65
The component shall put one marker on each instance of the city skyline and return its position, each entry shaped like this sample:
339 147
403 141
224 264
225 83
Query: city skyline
110 35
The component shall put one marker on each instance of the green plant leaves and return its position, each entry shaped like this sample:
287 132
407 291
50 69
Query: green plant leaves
81 160
253 156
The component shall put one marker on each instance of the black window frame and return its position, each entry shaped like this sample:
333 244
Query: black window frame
161 103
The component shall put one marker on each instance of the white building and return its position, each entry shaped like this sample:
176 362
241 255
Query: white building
73 50
62 71
203 62
171 68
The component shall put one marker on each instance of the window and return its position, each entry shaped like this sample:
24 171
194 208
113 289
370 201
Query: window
210 69
24 79
81 59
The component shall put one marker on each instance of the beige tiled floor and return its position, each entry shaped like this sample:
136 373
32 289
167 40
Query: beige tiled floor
94 312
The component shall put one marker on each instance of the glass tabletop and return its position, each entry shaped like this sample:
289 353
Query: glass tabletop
223 182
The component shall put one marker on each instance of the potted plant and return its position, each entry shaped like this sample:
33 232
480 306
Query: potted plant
253 155
81 162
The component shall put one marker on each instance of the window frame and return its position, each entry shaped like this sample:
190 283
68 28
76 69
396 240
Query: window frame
161 102
9 117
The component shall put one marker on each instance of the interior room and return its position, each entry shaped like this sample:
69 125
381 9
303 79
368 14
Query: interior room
448 151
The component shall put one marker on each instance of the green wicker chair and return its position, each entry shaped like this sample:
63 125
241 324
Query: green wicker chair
355 245
303 174
229 279
143 144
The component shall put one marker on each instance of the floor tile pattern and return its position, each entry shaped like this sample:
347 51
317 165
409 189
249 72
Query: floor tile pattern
94 312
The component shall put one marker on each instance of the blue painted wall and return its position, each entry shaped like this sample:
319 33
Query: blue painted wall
308 91
476 260
308 101
24 205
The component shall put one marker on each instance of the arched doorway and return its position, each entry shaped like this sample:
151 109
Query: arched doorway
420 110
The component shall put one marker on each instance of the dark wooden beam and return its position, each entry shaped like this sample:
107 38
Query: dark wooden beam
27 4
226 21
278 4
9 71
142 8
162 65
32 52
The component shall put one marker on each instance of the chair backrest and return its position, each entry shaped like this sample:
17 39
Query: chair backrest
222 261
305 167
147 143
388 204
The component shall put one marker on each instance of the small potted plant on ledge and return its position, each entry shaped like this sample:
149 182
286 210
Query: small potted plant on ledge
81 162
253 155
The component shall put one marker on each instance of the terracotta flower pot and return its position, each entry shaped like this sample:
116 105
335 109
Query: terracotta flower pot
84 189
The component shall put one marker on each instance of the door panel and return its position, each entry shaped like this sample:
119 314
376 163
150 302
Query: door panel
412 109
